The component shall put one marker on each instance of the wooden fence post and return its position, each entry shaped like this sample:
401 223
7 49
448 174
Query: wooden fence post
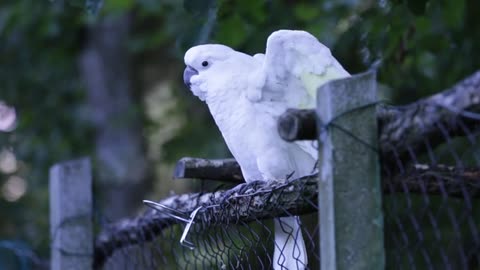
71 226
350 208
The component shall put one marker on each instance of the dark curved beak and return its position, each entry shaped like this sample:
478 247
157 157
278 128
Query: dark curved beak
187 74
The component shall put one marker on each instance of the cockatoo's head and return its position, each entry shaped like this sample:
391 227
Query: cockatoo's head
210 67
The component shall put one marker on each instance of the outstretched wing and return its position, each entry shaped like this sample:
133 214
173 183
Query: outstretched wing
294 66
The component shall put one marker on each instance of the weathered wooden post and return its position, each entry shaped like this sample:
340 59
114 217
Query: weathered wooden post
71 227
350 208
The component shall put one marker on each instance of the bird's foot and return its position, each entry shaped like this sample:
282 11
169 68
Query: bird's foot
242 190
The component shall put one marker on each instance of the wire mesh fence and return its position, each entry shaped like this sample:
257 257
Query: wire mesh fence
431 209
233 229
430 223
430 178
432 187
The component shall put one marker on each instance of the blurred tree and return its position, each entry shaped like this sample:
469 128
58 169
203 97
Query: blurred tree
106 71
64 63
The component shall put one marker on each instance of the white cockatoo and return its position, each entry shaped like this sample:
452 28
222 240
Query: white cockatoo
246 95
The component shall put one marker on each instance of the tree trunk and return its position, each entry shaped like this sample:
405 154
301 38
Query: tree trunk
120 157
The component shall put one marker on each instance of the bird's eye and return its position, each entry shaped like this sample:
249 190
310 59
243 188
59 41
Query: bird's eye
204 63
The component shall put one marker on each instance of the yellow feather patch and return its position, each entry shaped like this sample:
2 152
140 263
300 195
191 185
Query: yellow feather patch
312 82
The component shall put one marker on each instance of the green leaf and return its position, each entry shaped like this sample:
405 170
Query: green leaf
117 5
417 7
306 12
253 10
75 3
454 13
232 31
198 7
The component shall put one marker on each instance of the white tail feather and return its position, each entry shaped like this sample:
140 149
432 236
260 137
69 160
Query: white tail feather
290 252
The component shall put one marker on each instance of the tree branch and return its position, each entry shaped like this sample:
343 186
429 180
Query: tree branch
226 170
455 111
295 125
